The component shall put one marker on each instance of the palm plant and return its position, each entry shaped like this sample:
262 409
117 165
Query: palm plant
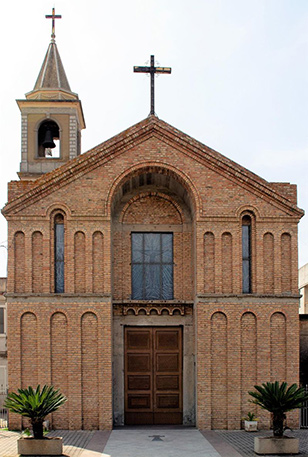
279 399
35 404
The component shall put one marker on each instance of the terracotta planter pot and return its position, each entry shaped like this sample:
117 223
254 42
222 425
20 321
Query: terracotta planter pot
47 446
273 445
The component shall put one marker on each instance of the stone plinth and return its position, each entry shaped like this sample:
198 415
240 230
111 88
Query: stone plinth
45 446
272 445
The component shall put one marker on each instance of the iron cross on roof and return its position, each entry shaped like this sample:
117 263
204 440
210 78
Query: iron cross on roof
53 16
152 70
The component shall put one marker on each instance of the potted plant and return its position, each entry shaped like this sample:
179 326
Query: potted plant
278 399
36 404
250 422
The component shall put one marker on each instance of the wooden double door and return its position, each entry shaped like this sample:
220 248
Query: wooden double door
153 375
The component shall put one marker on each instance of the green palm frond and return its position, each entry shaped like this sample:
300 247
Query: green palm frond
35 404
279 398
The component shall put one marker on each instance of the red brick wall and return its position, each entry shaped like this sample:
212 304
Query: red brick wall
202 204
19 262
268 263
227 263
219 363
209 262
240 343
98 262
59 366
249 359
76 357
286 262
80 266
37 262
89 372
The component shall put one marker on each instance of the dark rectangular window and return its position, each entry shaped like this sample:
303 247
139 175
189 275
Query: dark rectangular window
246 259
152 266
1 320
59 256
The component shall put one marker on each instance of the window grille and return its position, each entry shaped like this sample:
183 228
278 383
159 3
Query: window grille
152 266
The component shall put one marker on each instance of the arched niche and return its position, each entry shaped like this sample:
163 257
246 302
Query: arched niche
153 202
154 178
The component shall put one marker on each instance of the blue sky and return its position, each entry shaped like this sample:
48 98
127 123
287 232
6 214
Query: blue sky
238 83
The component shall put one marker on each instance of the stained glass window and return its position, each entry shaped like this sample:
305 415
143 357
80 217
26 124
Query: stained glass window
59 253
152 266
246 254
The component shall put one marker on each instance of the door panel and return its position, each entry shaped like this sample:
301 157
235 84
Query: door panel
153 375
167 362
139 362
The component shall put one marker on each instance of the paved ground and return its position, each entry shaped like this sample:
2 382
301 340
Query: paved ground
153 442
243 442
79 443
158 442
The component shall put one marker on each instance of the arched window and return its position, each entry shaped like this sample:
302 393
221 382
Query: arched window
48 140
59 253
246 254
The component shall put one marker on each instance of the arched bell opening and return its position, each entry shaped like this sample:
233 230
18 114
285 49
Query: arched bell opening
48 140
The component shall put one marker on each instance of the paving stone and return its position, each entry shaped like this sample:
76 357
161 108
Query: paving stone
243 441
140 441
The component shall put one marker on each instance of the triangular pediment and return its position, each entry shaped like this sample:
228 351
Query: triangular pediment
138 134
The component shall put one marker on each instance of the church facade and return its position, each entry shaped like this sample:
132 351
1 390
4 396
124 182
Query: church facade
151 279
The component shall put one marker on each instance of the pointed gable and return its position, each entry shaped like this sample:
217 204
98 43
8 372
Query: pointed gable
280 194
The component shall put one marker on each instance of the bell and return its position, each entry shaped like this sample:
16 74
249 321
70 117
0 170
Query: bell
48 140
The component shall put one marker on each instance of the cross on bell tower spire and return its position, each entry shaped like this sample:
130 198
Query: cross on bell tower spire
53 16
57 113
152 70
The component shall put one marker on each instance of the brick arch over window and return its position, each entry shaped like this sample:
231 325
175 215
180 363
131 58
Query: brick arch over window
58 207
152 199
165 170
163 210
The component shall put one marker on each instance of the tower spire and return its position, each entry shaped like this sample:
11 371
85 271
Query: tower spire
52 82
53 16
52 117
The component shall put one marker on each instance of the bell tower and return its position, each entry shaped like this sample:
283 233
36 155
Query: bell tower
51 118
